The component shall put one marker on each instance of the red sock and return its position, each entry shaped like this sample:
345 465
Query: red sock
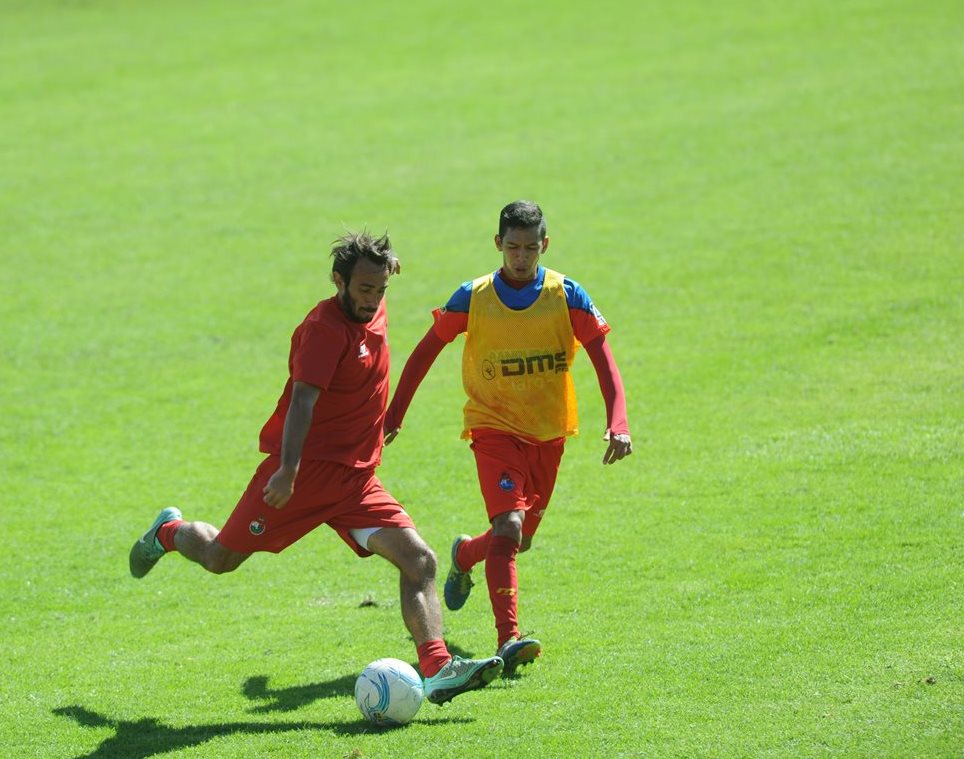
503 585
432 656
165 534
471 552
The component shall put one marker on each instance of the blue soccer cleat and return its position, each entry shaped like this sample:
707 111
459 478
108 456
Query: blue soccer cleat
516 652
458 584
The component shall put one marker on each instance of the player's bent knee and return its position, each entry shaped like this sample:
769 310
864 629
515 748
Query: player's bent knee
422 562
220 560
509 524
406 550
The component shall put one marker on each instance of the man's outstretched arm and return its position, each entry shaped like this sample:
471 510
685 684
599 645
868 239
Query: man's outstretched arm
414 372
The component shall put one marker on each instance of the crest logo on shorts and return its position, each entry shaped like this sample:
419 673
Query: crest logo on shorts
362 350
257 526
505 482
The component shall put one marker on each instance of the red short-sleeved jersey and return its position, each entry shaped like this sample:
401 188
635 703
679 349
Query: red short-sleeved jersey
349 362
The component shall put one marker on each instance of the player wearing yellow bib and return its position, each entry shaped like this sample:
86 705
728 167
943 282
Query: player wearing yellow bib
523 324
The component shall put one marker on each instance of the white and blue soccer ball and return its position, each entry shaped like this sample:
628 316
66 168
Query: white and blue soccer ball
388 692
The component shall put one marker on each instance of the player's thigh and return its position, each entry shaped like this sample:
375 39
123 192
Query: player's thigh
503 474
255 526
366 512
544 462
543 469
404 548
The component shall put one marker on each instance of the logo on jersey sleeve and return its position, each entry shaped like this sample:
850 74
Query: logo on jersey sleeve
362 351
600 319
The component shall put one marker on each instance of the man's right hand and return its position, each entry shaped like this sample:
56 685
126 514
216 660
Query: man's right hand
620 446
280 487
390 435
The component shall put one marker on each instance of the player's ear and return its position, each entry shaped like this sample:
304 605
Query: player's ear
498 242
545 244
338 280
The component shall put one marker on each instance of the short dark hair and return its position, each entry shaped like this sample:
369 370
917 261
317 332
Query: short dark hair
348 248
521 214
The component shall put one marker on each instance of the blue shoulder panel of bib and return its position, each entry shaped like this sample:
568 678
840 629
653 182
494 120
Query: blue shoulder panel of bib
460 300
576 297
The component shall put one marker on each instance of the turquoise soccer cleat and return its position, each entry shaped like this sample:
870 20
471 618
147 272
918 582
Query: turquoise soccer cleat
145 553
516 652
460 676
458 584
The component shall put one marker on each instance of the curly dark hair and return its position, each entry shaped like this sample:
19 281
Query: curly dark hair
348 248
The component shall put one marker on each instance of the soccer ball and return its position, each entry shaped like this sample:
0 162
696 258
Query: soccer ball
388 692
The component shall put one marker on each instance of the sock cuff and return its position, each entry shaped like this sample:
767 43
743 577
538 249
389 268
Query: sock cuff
432 656
165 534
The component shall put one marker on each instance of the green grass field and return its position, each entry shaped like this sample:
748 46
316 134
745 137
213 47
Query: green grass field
764 199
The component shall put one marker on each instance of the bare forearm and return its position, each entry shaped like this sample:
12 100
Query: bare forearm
293 440
297 424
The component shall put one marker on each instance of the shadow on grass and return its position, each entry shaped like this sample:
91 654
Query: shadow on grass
456 650
294 697
139 739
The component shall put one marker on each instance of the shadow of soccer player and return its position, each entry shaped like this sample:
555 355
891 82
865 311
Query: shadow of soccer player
148 737
294 697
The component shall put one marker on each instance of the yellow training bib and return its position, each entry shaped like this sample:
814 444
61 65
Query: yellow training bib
515 365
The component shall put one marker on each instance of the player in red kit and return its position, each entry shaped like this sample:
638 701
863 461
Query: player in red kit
523 324
323 442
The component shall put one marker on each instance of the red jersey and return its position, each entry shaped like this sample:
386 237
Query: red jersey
348 361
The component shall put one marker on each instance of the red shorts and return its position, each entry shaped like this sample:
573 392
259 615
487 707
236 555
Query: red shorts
342 497
515 475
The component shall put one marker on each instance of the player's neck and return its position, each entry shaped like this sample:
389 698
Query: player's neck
516 284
